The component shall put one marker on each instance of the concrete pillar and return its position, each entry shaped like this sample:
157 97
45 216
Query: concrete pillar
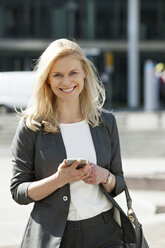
133 53
151 87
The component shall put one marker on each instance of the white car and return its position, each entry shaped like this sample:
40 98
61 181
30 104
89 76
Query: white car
15 89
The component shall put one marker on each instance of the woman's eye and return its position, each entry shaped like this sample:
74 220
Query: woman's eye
57 75
73 73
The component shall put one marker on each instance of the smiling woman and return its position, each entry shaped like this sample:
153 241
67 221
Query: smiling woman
74 205
64 74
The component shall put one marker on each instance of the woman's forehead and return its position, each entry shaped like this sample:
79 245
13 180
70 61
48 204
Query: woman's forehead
67 62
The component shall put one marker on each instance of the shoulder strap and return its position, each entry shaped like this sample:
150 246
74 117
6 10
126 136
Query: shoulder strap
128 197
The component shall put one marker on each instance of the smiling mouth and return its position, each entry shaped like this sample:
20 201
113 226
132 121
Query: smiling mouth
68 90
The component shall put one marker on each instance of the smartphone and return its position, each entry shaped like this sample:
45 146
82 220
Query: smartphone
70 161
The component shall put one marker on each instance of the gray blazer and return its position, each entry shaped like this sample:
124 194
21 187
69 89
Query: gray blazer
36 155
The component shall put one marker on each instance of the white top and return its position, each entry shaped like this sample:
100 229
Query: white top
86 200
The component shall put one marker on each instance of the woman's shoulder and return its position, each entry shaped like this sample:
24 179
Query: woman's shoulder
107 117
24 130
24 137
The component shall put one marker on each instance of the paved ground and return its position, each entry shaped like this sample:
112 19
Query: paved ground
13 217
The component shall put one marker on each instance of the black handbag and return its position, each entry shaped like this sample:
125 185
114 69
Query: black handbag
140 239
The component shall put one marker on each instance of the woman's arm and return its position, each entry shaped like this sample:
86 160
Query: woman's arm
116 162
23 149
40 189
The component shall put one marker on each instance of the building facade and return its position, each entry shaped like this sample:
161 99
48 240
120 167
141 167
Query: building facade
100 27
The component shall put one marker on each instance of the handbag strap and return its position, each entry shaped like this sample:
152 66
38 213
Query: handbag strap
130 213
128 198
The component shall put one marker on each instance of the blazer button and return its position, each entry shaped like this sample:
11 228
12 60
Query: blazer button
65 198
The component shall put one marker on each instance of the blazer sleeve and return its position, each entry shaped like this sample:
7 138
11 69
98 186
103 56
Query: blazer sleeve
23 151
116 163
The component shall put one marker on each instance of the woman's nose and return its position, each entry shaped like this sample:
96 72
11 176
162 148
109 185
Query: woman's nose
67 81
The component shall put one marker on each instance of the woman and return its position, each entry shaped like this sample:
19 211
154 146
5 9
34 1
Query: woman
72 207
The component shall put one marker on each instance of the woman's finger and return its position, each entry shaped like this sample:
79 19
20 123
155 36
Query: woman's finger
88 180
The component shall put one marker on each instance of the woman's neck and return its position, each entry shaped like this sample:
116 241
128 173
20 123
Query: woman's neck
70 113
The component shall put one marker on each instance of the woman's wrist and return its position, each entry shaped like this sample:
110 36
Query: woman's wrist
58 180
109 178
106 176
110 182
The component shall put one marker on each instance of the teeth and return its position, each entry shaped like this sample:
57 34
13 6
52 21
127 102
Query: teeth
68 90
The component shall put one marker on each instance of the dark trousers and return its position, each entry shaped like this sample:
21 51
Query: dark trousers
100 231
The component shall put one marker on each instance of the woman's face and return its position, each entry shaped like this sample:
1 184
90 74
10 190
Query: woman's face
66 78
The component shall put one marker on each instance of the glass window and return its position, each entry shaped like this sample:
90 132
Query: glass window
148 19
12 21
152 19
111 19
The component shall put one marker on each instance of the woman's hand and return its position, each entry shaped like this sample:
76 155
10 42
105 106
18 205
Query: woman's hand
98 175
67 174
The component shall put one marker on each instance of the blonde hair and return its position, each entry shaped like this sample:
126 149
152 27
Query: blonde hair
42 107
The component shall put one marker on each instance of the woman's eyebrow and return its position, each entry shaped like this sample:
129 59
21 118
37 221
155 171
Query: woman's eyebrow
76 69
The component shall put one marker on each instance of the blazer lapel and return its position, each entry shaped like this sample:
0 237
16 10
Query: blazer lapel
102 144
61 147
95 137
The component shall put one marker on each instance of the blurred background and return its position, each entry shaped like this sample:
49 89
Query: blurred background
103 28
126 41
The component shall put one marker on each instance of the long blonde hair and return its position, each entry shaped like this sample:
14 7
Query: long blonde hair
42 107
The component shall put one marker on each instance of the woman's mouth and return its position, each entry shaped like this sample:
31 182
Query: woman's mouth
68 90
